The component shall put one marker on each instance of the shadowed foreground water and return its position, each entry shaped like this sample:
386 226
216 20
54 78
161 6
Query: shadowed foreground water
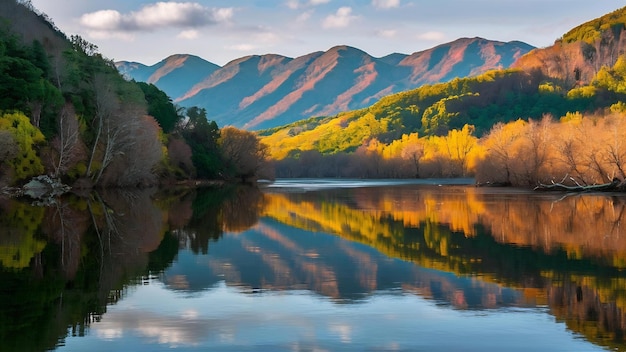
316 265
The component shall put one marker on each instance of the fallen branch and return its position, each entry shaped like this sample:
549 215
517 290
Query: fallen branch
615 185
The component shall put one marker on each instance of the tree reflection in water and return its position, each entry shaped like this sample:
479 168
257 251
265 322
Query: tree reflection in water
62 265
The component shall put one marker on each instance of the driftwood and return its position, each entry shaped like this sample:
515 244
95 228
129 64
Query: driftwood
616 185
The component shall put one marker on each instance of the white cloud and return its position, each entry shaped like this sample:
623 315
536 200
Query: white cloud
303 17
431 36
223 14
267 38
385 4
340 19
387 33
242 47
188 34
295 4
155 16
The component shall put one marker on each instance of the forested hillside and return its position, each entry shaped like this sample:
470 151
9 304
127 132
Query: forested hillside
65 111
450 129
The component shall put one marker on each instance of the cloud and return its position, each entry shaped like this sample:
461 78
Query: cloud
385 4
188 34
340 19
387 33
155 16
295 4
431 36
242 47
303 17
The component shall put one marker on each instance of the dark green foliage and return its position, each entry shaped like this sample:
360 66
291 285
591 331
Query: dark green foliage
39 58
23 76
19 79
160 106
202 136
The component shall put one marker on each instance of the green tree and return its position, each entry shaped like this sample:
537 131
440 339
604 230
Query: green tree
202 136
160 106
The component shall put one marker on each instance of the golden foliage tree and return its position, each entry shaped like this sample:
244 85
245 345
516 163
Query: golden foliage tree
26 163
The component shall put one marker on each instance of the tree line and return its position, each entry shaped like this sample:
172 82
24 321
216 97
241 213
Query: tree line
66 111
577 149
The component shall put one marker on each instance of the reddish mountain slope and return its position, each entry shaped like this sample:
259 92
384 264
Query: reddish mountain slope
258 92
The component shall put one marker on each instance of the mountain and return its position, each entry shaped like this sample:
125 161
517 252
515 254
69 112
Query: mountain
264 91
170 72
582 73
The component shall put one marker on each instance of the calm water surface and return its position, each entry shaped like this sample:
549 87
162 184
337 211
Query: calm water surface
316 265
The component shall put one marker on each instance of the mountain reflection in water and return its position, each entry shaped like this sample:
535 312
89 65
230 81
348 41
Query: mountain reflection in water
328 267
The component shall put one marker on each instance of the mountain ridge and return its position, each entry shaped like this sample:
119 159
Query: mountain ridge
263 91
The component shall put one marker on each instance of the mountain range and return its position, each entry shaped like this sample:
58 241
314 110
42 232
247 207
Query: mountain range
264 91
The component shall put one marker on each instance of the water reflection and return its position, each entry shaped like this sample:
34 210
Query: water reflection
229 268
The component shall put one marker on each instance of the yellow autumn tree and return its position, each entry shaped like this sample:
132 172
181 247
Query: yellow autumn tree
452 154
27 162
500 164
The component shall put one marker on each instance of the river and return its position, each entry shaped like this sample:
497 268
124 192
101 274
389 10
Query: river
315 265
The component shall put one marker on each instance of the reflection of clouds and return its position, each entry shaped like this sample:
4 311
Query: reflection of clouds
220 316
164 336
110 334
343 331
190 314
184 330
178 282
225 318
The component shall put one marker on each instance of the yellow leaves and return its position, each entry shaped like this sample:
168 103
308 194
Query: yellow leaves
346 132
402 148
582 92
455 150
27 136
549 87
619 107
573 118
18 244
613 79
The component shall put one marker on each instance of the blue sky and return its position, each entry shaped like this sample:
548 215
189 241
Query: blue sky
220 30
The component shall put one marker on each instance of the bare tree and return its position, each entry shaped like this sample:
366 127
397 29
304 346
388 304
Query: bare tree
414 153
140 158
616 148
66 143
535 148
243 152
180 154
106 104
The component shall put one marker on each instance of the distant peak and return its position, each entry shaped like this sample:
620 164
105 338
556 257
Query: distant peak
344 47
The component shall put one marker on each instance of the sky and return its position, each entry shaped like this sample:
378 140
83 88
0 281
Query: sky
223 30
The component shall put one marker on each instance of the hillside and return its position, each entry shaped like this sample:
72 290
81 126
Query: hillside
572 80
264 91
66 112
578 56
